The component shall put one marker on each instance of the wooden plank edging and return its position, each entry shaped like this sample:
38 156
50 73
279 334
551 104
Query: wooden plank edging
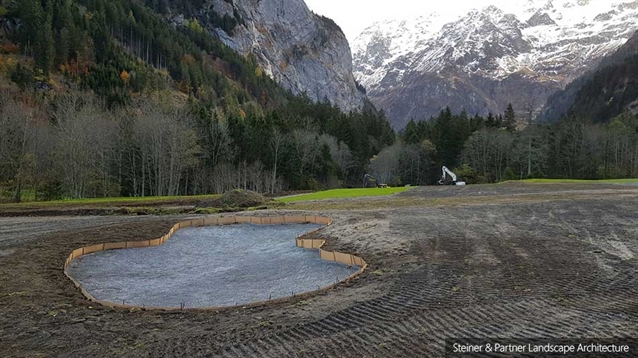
347 259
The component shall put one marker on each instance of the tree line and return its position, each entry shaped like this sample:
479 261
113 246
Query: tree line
76 147
490 149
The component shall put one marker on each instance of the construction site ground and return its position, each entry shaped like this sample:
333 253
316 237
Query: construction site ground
508 260
213 266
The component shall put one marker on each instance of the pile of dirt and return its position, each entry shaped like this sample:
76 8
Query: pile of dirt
238 199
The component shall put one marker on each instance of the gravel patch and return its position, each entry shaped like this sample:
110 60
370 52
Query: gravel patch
210 267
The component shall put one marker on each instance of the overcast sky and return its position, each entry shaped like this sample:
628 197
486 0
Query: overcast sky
355 15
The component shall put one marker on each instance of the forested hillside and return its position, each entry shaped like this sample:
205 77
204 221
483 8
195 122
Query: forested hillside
610 92
107 98
604 92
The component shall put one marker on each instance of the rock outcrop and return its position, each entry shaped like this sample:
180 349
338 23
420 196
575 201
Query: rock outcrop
304 52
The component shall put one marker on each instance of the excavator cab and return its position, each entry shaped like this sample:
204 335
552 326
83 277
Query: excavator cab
371 182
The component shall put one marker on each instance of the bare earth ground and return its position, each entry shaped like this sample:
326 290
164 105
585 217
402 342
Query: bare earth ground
513 260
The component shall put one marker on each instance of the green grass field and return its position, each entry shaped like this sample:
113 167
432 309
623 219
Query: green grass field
580 181
343 193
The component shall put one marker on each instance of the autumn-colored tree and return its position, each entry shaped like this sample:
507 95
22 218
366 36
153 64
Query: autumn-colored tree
125 76
194 26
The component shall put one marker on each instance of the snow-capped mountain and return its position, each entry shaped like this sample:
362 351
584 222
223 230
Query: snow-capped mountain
511 51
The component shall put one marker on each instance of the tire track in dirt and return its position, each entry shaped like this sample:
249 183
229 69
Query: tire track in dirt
386 327
419 313
521 270
424 333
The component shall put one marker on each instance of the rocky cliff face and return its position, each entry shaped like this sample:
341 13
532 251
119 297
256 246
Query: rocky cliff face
515 52
304 52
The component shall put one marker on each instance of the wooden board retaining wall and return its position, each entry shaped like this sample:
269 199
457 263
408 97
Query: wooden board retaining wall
343 258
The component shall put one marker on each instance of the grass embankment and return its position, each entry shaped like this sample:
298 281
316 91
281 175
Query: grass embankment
169 205
343 193
580 181
390 203
233 201
105 202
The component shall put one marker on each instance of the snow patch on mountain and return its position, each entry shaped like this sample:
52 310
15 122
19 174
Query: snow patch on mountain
550 41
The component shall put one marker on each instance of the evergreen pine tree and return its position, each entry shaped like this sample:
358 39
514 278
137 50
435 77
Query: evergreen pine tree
45 49
491 122
411 135
29 12
510 118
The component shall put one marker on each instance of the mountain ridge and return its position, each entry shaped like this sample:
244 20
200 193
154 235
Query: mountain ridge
533 50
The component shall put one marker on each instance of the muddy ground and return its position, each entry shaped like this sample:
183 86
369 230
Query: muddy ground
498 261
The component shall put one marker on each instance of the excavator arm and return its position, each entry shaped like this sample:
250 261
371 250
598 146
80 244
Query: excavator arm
447 172
367 179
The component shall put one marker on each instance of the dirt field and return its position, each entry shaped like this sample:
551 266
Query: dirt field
515 260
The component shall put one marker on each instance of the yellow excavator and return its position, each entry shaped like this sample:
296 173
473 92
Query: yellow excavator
369 180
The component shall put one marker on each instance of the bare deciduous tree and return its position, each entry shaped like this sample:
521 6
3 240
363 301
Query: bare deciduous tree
385 166
16 135
307 148
341 154
276 143
86 141
168 145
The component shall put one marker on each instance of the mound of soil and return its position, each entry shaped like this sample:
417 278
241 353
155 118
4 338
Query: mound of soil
238 199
